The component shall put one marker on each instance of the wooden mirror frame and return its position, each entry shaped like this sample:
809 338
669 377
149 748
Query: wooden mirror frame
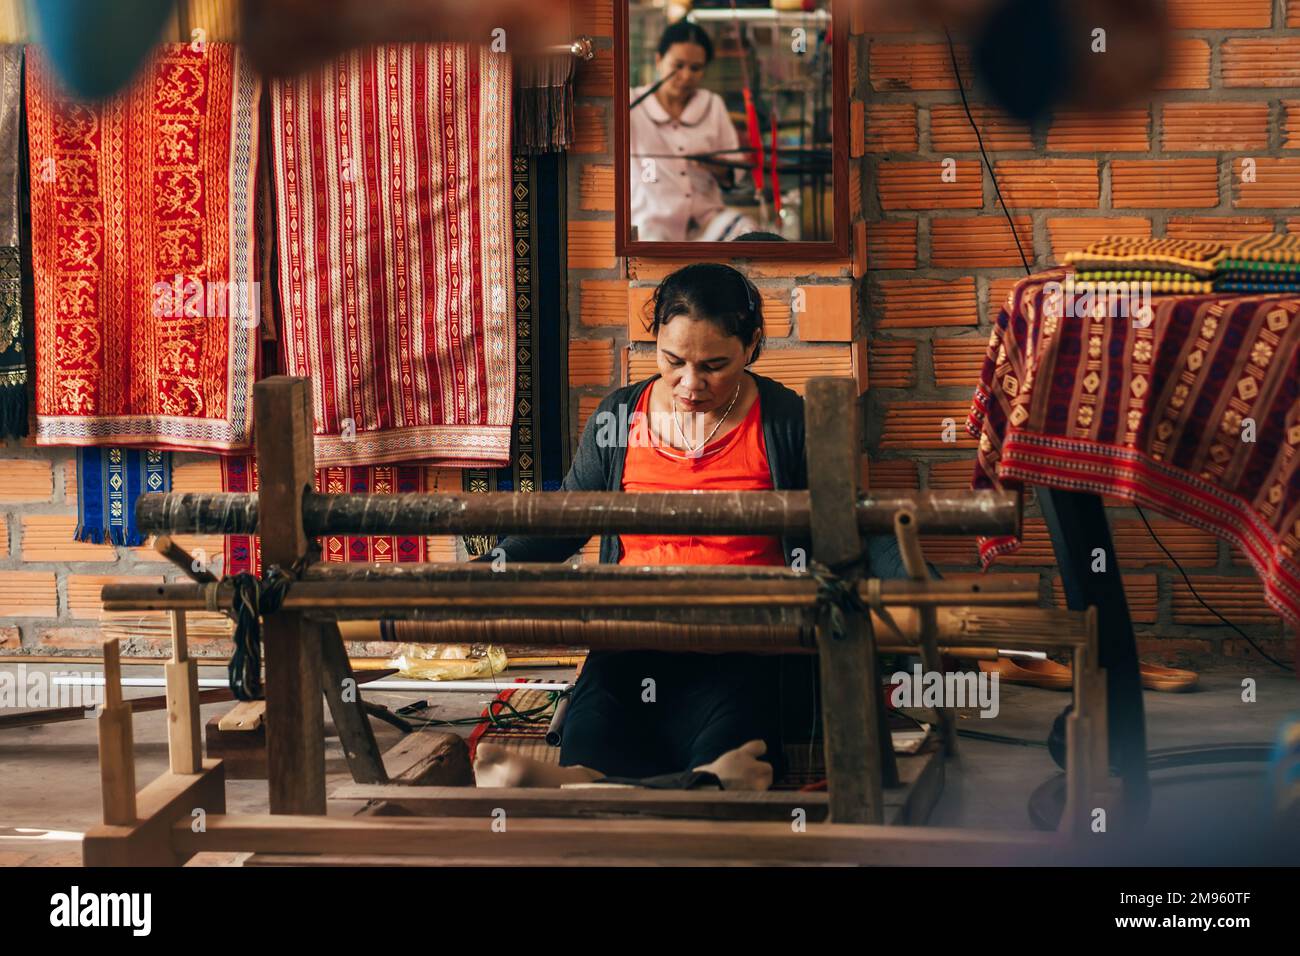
836 248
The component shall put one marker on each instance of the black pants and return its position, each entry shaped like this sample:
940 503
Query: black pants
646 713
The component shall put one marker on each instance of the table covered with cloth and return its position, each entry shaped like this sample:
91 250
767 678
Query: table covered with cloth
1189 405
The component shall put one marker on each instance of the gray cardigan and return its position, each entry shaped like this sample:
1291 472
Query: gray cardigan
598 466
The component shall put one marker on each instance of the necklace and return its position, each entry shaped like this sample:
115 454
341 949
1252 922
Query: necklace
693 451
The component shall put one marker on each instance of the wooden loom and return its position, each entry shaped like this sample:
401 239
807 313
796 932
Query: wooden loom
683 609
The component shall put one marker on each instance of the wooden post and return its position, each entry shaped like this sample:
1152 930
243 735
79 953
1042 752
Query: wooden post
184 744
350 718
851 695
909 544
116 760
295 725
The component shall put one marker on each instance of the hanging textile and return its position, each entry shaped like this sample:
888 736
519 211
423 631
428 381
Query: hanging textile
539 443
13 351
392 174
109 480
143 254
239 473
543 113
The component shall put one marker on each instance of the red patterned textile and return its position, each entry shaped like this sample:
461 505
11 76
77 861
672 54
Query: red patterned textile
1190 405
392 173
239 473
143 253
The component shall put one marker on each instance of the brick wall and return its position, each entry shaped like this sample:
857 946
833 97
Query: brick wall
941 258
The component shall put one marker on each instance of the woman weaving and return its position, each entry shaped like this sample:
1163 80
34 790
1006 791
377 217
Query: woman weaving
705 423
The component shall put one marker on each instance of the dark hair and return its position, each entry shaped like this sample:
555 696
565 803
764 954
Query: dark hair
759 236
712 291
683 31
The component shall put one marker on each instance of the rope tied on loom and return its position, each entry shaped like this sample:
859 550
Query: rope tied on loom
838 595
252 599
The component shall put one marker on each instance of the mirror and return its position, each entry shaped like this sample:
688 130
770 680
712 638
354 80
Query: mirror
731 127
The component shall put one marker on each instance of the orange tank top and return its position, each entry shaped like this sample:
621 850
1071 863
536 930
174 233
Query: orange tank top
735 462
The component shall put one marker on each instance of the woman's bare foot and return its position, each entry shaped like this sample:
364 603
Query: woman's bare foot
740 769
495 766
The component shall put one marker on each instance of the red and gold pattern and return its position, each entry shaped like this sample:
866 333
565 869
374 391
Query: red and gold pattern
1192 410
242 552
392 171
152 186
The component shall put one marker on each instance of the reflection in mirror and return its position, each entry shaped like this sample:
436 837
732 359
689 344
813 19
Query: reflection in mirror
729 126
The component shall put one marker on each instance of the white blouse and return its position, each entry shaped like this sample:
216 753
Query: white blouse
675 199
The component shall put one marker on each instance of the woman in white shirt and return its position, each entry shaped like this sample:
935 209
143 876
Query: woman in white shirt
681 199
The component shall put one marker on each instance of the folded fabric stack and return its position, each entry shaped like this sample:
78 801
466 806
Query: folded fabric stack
1183 266
1269 263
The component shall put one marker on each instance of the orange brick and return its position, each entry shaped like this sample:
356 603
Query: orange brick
874 18
1240 599
916 425
999 290
950 129
1276 185
197 476
791 366
894 474
594 18
201 546
1172 650
1081 131
1141 590
588 404
915 66
590 129
596 187
819 269
1217 15
84 592
591 362
891 245
891 128
1227 228
23 479
70 638
1215 126
70 480
926 303
1071 235
640 312
858 247
1189 66
591 244
1172 183
1293 13
857 128
1291 124
980 242
49 538
596 76
922 185
829 312
855 190
1135 547
958 360
893 363
602 302
1062 183
1273 62
28 594
776 313
954 475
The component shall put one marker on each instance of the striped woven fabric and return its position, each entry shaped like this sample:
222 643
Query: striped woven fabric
392 173
1193 256
1192 414
1279 248
1148 279
1250 286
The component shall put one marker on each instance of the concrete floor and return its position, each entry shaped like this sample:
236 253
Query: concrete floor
49 774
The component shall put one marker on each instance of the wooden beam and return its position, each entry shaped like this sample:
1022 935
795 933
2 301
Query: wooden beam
295 725
578 512
909 544
341 692
116 756
855 739
172 799
184 734
661 841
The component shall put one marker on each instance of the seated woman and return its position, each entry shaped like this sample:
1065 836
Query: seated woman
709 424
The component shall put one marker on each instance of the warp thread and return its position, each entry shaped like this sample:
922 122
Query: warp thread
252 599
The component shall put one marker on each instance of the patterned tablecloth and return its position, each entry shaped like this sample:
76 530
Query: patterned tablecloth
1187 404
